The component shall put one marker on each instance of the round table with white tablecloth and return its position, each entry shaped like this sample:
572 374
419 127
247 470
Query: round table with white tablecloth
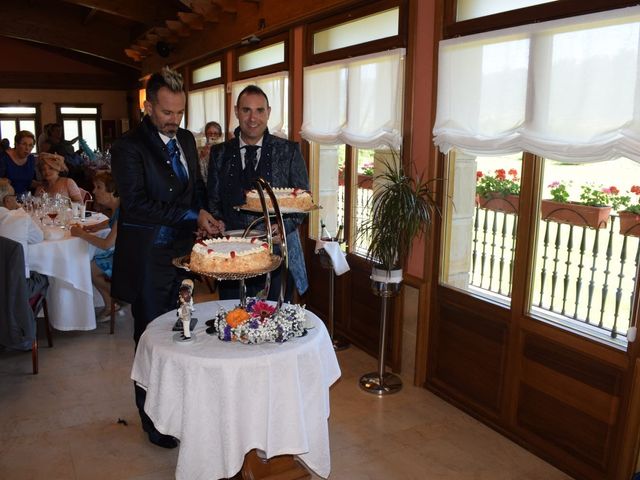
223 399
67 263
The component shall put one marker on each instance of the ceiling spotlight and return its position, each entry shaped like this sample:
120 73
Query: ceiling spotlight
250 40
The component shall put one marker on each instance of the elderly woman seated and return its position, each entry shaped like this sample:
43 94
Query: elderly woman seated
102 263
52 167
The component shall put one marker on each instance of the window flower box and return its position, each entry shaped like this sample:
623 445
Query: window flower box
498 202
629 223
575 213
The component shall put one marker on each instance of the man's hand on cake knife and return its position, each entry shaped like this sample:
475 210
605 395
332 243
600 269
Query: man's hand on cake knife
209 224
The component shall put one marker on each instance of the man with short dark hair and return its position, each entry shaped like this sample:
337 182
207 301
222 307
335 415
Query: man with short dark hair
162 200
234 166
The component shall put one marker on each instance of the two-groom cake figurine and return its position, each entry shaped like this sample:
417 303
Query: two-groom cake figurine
185 307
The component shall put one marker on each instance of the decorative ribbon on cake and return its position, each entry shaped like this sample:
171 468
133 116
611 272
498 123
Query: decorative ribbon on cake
336 255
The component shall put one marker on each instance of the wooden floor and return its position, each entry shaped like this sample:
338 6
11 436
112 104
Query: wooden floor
77 420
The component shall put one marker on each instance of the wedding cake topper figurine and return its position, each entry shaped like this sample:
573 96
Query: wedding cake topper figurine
185 306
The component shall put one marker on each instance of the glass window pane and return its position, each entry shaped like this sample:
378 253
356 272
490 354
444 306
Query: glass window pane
89 134
28 125
366 29
79 110
363 190
208 72
586 258
262 57
481 210
70 129
8 130
18 110
327 167
479 8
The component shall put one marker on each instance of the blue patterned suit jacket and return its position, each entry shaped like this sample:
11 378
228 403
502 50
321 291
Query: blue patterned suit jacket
281 164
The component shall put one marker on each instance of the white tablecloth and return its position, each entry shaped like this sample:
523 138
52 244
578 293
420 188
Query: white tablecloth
67 263
223 399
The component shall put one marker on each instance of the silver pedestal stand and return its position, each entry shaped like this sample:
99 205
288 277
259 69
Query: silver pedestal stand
381 382
262 185
326 263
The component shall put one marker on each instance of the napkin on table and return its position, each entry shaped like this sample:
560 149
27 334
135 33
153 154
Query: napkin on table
338 261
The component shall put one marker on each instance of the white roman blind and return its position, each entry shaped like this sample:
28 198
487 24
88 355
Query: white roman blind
357 101
276 87
567 89
206 105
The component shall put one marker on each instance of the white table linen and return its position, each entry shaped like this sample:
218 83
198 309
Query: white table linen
67 263
223 399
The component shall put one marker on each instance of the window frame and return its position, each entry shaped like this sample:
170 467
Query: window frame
22 116
97 118
365 48
221 80
268 69
522 16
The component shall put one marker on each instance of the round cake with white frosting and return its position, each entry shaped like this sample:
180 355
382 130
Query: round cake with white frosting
230 255
288 198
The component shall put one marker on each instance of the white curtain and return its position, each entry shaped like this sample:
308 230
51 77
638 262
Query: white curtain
276 87
205 105
356 101
567 90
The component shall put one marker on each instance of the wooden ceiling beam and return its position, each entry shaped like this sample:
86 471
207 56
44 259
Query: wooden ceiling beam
178 28
145 12
194 21
62 28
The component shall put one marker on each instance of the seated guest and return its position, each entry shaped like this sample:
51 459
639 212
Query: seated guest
4 145
54 141
18 164
102 263
51 167
18 225
213 135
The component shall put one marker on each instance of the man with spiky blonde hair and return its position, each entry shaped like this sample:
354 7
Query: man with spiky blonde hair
162 201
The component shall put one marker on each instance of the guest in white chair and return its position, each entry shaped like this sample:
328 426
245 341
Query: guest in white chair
105 194
18 225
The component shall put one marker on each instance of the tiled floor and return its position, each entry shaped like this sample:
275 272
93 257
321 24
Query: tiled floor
64 423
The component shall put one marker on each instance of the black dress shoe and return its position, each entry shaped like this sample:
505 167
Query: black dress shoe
164 441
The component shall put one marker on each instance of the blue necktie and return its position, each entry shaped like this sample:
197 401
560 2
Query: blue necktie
176 164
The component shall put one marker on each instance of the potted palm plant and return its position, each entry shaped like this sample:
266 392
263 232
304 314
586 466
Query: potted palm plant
402 207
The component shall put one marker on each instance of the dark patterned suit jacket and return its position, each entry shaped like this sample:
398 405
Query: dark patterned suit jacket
156 209
281 164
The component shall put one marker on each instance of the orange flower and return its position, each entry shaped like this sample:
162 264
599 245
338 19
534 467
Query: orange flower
237 317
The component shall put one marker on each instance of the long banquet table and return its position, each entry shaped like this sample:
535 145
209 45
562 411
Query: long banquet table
67 263
224 399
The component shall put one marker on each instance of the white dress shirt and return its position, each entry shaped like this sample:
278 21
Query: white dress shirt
19 226
242 150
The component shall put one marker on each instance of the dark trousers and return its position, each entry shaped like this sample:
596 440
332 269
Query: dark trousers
159 295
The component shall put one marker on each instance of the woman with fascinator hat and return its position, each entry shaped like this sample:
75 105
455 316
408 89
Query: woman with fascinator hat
52 167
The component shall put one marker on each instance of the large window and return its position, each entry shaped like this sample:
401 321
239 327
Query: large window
14 118
356 103
564 93
81 121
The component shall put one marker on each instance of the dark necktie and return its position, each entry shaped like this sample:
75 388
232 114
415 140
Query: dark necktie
250 163
176 164
251 156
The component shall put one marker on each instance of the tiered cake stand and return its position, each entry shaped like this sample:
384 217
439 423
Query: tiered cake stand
281 260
